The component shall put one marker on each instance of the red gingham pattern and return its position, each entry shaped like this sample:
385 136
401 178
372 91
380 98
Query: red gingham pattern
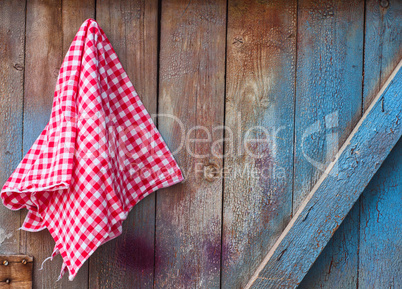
98 156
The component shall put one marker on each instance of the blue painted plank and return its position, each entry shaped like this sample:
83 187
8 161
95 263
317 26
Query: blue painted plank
380 254
261 65
383 44
380 251
328 106
337 190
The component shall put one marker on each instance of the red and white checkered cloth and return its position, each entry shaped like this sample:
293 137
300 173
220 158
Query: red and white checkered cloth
98 156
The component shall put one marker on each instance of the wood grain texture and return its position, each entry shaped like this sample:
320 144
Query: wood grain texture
328 87
16 270
74 13
337 190
15 258
192 70
261 61
328 106
337 265
132 28
380 247
48 27
12 35
16 285
380 228
383 39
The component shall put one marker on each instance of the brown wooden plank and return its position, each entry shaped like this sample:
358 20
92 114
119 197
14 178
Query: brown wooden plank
188 215
48 27
132 28
15 258
16 268
16 285
12 40
261 61
74 13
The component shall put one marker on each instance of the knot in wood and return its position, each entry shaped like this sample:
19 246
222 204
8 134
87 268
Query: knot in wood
211 172
384 3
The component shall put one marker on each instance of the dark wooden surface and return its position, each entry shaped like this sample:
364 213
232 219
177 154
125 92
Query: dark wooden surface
275 65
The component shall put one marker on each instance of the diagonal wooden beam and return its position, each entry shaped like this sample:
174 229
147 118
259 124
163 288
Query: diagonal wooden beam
333 196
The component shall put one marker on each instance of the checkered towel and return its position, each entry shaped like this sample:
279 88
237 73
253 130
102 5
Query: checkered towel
98 156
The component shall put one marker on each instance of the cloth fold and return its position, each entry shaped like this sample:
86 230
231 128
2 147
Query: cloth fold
98 156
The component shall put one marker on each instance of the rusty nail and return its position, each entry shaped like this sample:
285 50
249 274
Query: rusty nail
5 262
24 261
384 3
8 281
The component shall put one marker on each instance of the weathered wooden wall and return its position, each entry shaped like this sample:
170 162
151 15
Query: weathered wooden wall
278 68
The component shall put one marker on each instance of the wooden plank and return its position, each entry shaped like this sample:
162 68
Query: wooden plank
380 247
261 64
320 215
328 106
328 87
337 265
132 28
383 48
54 24
74 13
16 285
12 36
191 89
380 242
16 271
15 258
